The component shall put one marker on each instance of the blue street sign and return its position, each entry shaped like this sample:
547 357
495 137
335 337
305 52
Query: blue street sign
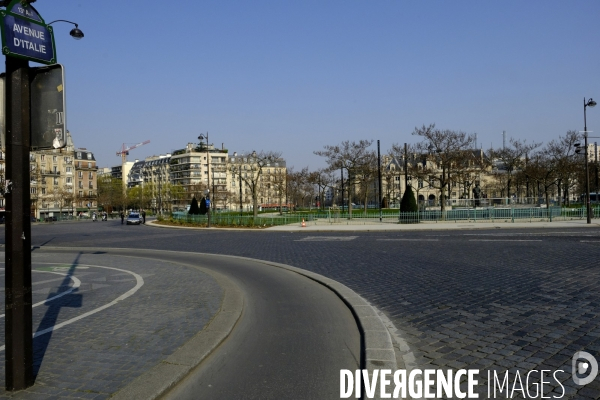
16 7
24 37
207 203
27 39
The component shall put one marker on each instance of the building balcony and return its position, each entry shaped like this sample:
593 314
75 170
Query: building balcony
51 173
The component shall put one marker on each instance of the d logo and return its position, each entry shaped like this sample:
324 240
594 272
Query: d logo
582 367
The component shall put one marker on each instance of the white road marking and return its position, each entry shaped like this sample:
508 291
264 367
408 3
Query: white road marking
505 240
326 239
590 241
76 284
414 240
139 284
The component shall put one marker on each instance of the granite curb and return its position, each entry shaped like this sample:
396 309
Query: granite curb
164 376
394 227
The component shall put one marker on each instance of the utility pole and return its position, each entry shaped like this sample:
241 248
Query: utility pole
379 176
405 167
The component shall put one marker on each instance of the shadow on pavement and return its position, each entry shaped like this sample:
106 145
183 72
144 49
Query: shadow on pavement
43 334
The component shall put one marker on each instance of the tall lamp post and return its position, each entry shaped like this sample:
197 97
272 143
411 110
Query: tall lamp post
240 176
588 207
201 138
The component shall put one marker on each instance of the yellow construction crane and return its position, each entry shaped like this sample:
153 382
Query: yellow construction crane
124 152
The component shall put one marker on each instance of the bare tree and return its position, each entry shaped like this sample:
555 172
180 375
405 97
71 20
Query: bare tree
351 156
445 150
542 168
295 181
321 178
252 172
563 151
511 159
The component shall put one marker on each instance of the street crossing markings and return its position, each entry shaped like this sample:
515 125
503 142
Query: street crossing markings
326 239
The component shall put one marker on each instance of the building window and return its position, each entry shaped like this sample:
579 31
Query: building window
89 165
42 157
91 185
32 190
80 174
80 194
55 181
69 180
91 175
89 156
80 185
79 154
91 193
43 190
68 170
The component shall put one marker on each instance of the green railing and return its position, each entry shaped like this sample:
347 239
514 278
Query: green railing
495 213
490 214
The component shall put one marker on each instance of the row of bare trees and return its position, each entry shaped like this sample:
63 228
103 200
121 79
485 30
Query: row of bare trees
443 159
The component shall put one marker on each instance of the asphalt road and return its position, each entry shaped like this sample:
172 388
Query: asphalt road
497 299
291 341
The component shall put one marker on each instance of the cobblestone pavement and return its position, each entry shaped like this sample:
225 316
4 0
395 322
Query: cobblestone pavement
494 300
100 354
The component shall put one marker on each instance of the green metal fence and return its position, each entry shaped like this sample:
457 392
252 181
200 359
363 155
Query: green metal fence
490 214
494 213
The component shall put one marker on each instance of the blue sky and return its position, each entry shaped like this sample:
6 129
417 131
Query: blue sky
293 76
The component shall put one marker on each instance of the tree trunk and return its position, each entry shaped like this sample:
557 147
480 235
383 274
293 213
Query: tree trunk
255 204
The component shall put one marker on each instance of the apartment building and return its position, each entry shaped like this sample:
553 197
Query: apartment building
268 177
63 182
197 168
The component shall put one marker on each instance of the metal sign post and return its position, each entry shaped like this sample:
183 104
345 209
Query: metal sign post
24 37
18 324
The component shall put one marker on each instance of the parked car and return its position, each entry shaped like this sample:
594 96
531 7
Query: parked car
134 219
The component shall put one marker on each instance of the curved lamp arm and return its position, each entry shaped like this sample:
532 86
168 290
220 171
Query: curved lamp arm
76 33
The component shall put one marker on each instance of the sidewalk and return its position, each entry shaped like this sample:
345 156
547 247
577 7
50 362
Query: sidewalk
370 226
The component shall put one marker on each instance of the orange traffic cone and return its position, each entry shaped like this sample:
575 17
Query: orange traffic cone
303 223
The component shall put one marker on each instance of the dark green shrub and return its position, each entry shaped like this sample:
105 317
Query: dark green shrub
194 210
408 203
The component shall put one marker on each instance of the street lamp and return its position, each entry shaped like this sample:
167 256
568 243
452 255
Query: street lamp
75 33
588 208
201 138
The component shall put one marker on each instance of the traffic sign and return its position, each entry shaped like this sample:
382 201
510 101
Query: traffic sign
25 35
48 109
